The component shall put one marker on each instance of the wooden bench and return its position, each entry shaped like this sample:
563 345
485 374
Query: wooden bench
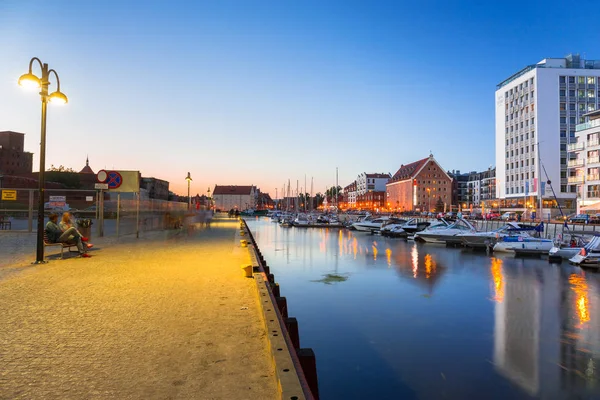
5 224
63 246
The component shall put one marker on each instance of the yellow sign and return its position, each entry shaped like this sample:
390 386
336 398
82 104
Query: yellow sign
9 195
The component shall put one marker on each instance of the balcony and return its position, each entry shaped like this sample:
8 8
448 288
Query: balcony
593 160
594 194
587 125
575 163
575 146
591 143
593 178
576 179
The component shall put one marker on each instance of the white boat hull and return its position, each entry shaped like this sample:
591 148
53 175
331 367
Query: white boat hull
543 246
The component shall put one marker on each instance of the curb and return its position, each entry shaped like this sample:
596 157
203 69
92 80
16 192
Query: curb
292 364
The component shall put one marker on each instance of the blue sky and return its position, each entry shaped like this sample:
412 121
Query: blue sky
259 92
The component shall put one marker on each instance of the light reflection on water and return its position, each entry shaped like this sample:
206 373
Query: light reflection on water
430 322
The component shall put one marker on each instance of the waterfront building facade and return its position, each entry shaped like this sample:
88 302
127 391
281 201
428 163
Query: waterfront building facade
371 182
349 195
418 186
537 110
236 197
584 163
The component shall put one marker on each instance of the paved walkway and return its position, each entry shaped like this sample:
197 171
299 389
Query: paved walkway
168 316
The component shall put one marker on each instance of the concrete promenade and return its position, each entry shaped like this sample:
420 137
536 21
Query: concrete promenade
166 316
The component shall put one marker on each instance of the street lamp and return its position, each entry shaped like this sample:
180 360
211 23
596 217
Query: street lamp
188 178
31 81
209 199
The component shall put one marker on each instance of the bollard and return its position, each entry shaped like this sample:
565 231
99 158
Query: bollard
275 289
309 367
271 278
242 233
267 269
291 324
244 243
247 270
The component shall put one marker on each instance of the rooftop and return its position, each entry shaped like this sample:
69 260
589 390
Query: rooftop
572 61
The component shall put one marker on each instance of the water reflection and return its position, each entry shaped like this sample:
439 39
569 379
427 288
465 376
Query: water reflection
497 327
543 330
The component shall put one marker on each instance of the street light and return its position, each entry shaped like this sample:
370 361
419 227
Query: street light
29 80
188 178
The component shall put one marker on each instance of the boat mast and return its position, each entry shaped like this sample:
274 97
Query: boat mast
336 189
304 193
539 177
311 193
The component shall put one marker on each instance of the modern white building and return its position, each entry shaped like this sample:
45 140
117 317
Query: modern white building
371 183
584 164
541 105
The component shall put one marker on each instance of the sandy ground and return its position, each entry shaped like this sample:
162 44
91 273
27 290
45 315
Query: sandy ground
168 316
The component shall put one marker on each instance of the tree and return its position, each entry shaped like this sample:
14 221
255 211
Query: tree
60 168
439 205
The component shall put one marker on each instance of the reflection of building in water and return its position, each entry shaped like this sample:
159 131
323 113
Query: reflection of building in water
546 335
580 342
422 267
527 305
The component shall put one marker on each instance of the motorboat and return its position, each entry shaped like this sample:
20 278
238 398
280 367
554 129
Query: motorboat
483 240
409 228
589 255
370 224
445 234
301 220
570 243
390 224
523 243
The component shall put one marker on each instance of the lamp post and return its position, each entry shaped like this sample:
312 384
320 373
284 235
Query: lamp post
188 178
29 80
209 200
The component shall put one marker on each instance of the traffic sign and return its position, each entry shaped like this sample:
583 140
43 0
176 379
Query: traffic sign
101 186
9 195
114 179
58 198
102 176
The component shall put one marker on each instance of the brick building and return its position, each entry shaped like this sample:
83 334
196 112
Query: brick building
13 159
237 197
418 186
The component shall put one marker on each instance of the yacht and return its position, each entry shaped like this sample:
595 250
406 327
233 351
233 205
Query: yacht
301 220
571 244
589 255
409 228
445 234
370 224
390 224
522 243
488 239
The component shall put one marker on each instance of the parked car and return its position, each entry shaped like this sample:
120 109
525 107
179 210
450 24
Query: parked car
492 216
580 219
509 216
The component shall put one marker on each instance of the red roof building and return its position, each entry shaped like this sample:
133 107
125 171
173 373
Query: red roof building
419 186
87 169
235 197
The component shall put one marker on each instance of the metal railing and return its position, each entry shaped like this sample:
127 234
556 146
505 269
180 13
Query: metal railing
120 214
587 125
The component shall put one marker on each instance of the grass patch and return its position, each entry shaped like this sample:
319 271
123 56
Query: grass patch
330 279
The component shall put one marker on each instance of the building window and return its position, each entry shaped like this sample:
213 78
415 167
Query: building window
581 106
591 80
532 121
563 188
563 134
563 106
563 120
531 81
590 93
563 161
580 93
581 79
571 79
527 163
571 134
563 147
571 120
571 93
571 106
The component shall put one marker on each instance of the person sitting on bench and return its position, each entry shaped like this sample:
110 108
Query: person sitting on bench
65 224
56 235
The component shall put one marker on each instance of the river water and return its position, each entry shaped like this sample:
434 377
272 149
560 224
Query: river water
391 319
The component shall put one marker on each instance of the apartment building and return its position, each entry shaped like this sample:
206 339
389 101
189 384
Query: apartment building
537 111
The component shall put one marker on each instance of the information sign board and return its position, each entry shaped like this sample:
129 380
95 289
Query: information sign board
9 195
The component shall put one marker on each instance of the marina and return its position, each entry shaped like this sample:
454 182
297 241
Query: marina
394 319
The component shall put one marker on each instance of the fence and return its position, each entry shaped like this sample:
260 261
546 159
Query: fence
110 217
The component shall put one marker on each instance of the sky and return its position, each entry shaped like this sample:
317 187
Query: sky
261 92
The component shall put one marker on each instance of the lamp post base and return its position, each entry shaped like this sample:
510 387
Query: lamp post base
39 262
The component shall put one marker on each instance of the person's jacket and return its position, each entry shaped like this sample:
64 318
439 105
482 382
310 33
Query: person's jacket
53 232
